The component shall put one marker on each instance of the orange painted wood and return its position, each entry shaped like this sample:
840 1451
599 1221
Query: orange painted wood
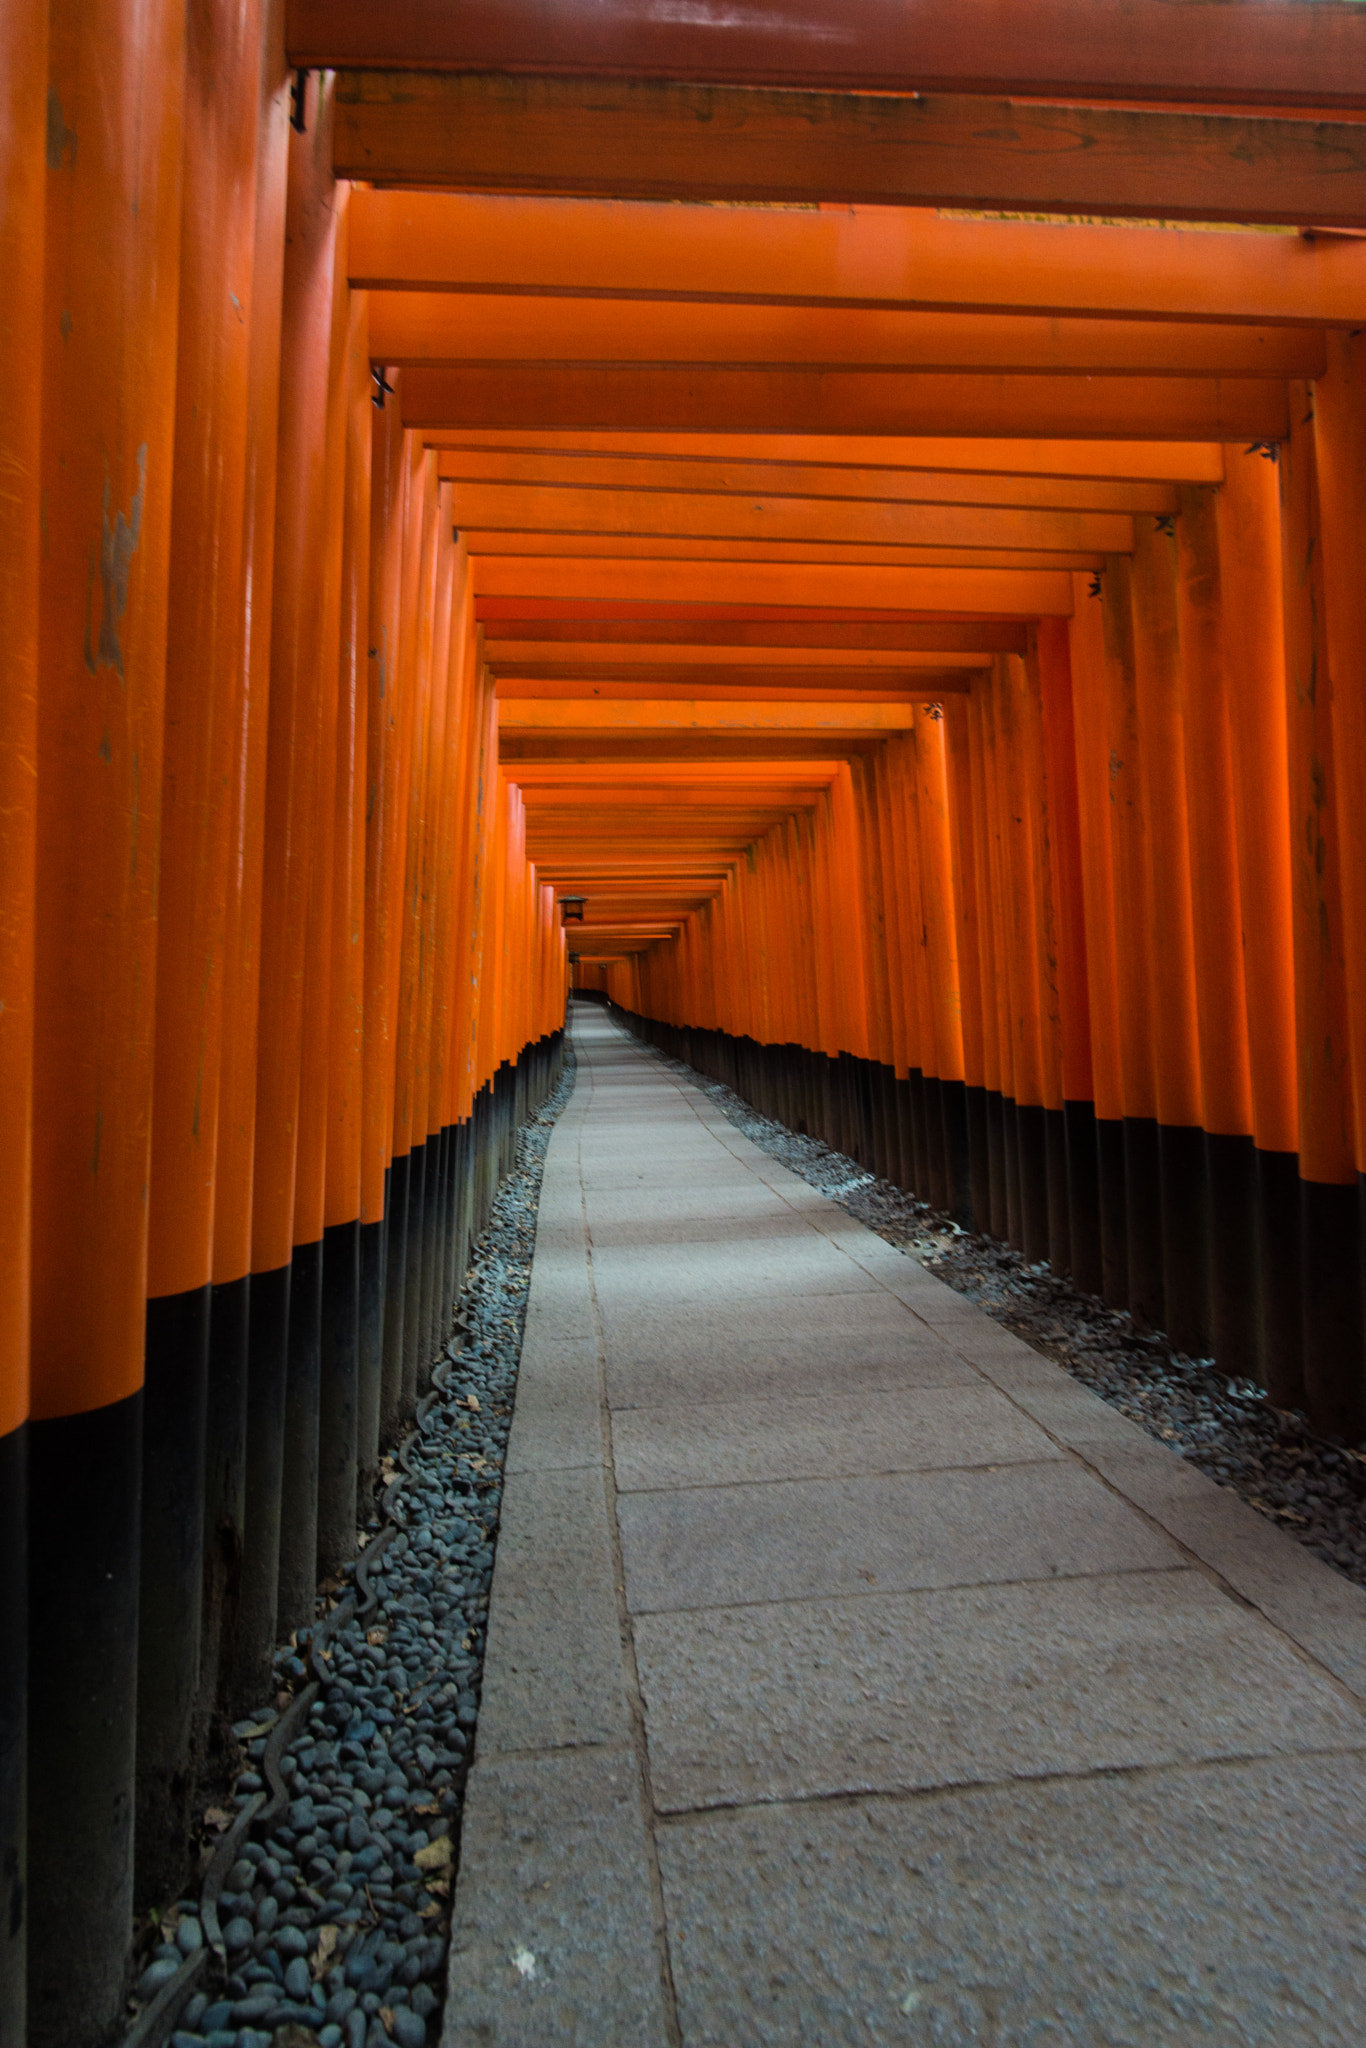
485 546
415 329
1130 862
1323 1042
715 476
1207 686
342 1186
112 236
669 139
856 257
1159 460
23 96
233 1193
1173 1023
205 632
532 508
715 400
1017 593
1340 450
1253 628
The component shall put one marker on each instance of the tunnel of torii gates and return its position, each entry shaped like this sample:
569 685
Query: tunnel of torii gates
869 497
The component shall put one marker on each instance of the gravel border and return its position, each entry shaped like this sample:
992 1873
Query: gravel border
1225 1427
332 1927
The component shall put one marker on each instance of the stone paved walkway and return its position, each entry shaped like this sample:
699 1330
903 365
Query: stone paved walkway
856 1677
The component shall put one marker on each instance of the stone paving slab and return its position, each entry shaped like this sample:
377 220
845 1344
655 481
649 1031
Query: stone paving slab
553 1671
709 1366
889 1693
810 1539
553 1938
1209 1908
724 1270
724 1443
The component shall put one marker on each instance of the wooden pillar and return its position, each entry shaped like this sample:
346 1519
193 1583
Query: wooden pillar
1329 1240
205 631
1253 633
339 1412
1088 660
1217 924
1340 452
109 366
314 594
240 1493
23 98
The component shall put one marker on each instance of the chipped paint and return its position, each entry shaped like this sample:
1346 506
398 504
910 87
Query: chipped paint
118 545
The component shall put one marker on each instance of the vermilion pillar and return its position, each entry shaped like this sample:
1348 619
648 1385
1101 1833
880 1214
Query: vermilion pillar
205 703
23 96
109 373
227 1517
1329 1245
1254 660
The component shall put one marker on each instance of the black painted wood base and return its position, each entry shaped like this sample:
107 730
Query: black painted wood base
13 1734
175 1398
85 1496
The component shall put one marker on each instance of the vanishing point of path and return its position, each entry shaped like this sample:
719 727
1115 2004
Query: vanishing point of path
854 1676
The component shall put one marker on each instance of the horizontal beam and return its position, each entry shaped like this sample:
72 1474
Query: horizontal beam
509 658
924 686
802 480
680 548
1194 462
862 402
685 746
569 509
514 638
420 329
859 258
1310 52
572 715
669 139
1013 593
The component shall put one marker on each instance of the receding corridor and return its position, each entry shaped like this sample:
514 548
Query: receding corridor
855 1676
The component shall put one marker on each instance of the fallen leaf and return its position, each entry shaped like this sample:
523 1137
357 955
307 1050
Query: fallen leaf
377 1635
392 1478
439 1887
386 2013
216 1818
472 1401
436 1855
327 1944
428 1806
430 1909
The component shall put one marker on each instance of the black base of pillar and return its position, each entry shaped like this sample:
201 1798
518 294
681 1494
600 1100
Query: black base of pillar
1085 1232
299 1474
267 1369
85 1485
1330 1290
370 1354
339 1349
225 1495
13 1739
175 1397
1143 1222
1231 1179
1184 1209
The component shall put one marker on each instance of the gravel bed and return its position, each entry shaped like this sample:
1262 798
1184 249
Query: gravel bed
336 1922
1313 1489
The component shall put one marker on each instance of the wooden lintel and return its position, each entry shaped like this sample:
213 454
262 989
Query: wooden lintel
664 139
